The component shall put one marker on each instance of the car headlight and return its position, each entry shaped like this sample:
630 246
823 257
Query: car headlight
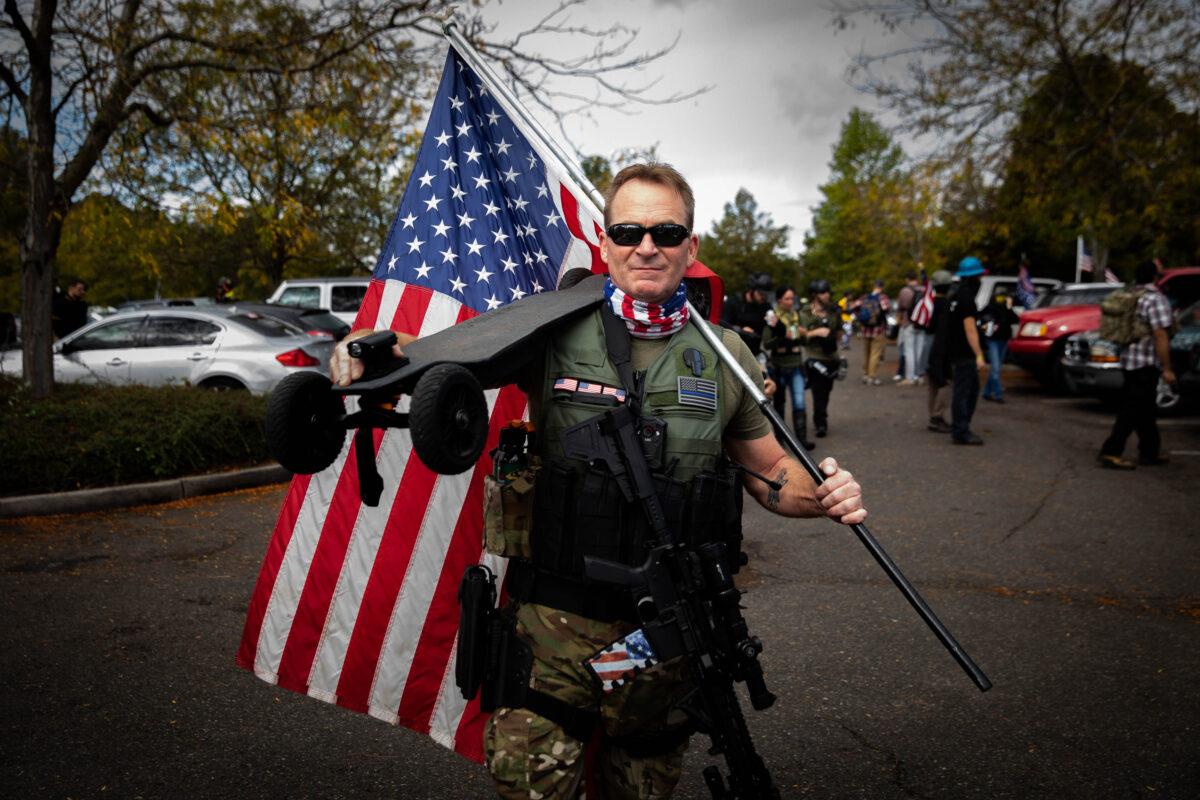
1033 329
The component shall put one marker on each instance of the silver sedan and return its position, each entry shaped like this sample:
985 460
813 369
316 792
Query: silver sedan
212 348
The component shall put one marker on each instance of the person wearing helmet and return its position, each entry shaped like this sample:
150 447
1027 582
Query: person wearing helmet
820 322
746 313
783 342
226 291
963 352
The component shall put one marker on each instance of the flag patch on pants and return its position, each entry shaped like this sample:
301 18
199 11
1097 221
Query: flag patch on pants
698 392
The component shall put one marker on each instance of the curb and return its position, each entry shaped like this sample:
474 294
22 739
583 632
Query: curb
135 494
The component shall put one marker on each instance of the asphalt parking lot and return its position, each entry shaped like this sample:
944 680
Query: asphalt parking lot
1077 590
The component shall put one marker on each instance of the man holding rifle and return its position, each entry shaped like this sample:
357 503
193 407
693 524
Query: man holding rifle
699 432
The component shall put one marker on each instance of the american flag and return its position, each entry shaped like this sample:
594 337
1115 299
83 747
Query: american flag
1026 292
922 313
1083 256
1110 276
356 605
622 660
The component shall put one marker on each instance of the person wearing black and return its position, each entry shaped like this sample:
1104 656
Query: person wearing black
956 346
996 321
820 322
68 311
746 313
937 369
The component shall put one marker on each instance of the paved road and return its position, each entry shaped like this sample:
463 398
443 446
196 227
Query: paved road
1076 589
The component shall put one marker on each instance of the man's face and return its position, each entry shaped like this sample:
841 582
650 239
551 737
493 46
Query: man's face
76 291
823 298
646 271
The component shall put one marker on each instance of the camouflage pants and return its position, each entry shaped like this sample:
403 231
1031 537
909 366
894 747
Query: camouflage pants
531 757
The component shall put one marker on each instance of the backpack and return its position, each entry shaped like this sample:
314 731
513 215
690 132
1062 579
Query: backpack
1119 320
870 314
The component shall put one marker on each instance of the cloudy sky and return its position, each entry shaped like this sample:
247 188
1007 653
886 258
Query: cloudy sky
778 97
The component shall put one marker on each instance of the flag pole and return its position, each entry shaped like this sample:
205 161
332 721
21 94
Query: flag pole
1078 257
515 108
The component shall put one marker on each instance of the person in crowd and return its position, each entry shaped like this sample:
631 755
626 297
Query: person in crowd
69 309
937 368
872 315
226 290
562 618
996 325
746 313
845 307
1143 362
783 342
819 321
963 351
906 300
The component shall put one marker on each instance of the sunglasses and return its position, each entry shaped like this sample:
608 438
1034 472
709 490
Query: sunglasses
628 234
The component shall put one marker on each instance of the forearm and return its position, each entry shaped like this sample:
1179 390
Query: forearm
1162 347
796 496
973 336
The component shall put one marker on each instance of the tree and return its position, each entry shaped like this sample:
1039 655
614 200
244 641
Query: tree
80 78
745 240
863 229
972 65
1131 193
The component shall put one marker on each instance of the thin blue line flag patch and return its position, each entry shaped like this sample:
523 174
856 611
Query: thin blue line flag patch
698 393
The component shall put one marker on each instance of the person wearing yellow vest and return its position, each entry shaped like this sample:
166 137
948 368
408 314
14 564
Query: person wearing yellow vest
708 422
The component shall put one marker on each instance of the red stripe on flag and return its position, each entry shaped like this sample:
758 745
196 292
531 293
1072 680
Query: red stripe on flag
410 311
430 660
468 739
369 310
270 569
571 214
383 587
313 608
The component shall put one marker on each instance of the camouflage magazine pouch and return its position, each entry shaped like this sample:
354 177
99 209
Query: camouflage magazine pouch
508 514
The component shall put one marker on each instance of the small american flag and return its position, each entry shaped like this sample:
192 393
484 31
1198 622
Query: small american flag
1083 256
922 313
1026 292
622 660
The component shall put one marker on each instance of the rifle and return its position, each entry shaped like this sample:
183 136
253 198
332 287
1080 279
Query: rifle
688 606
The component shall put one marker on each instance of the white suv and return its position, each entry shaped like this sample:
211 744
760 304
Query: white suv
341 296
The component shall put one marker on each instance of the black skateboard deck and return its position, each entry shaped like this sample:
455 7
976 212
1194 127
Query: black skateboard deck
493 346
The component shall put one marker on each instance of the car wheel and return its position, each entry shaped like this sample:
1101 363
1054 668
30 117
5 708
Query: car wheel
304 423
448 419
223 385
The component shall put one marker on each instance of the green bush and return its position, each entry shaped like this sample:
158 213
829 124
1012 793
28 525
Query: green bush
87 436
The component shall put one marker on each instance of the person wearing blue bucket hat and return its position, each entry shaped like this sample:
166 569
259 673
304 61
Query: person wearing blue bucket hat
963 351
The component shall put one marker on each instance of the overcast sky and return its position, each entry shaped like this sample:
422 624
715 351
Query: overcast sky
778 97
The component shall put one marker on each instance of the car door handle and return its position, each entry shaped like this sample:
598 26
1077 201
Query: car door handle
117 362
197 357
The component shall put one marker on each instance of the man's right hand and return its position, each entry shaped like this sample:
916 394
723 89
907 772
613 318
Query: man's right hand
345 368
1168 375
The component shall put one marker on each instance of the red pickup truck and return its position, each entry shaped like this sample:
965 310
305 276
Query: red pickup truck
1073 308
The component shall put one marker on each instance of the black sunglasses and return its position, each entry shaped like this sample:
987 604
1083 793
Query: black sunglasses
628 234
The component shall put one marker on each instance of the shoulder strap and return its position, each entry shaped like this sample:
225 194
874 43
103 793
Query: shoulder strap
616 339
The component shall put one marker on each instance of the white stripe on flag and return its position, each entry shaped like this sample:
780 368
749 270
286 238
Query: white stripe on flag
417 588
290 582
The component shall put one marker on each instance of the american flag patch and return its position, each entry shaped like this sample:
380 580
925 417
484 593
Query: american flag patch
577 386
698 392
622 660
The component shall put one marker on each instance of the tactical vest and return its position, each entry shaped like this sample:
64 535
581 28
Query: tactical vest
579 508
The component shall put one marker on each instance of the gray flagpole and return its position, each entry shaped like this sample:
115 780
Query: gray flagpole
513 106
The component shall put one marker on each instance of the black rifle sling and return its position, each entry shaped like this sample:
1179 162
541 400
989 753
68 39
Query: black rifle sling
616 339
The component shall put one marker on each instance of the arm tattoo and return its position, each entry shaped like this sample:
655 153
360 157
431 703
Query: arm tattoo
773 493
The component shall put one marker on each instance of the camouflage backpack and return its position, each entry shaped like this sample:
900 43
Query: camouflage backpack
1119 320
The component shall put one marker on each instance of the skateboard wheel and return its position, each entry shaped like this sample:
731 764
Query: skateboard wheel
448 419
303 426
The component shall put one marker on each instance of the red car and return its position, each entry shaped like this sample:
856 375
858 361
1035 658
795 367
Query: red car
1073 308
1042 333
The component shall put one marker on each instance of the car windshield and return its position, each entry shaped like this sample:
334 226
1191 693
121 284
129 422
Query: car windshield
265 326
1190 317
1090 296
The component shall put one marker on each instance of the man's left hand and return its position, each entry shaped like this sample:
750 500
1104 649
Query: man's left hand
840 495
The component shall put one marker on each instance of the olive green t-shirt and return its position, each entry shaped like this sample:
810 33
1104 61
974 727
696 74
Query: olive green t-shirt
741 418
